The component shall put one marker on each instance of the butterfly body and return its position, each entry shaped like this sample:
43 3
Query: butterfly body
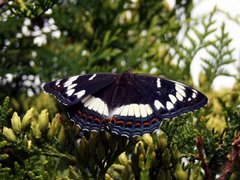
125 104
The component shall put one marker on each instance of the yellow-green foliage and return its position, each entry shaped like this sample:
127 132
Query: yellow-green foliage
50 140
35 138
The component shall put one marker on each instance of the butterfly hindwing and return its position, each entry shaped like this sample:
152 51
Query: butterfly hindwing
87 120
112 108
130 114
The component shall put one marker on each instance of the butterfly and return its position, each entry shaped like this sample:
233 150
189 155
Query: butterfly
124 104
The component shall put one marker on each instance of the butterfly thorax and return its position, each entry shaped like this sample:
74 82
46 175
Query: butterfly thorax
125 78
122 88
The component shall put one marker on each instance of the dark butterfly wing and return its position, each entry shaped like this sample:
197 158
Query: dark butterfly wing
92 111
79 95
169 98
146 100
127 104
102 109
70 91
130 114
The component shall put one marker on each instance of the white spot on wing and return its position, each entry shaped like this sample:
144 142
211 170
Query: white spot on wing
181 86
136 110
169 105
172 98
133 110
158 83
73 78
148 109
71 86
97 103
194 95
93 76
93 103
181 91
88 102
130 110
67 83
179 96
158 105
194 91
100 109
57 82
70 81
80 94
125 110
70 92
143 111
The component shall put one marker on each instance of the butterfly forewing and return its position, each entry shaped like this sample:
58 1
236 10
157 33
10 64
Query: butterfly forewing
71 90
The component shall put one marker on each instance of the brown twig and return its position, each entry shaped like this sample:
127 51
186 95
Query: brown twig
233 156
201 154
